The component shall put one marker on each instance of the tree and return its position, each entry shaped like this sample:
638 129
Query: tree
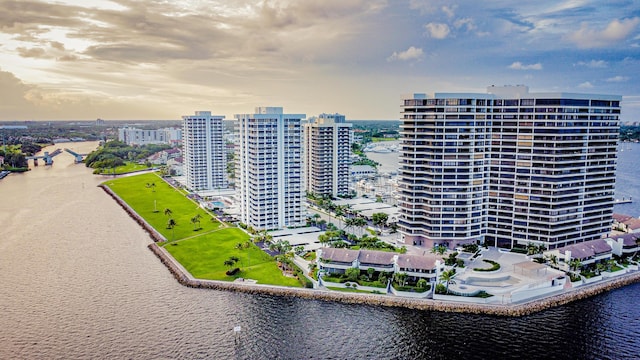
359 222
370 272
352 273
348 223
168 212
575 264
447 277
196 220
422 284
171 224
231 261
401 278
439 249
380 219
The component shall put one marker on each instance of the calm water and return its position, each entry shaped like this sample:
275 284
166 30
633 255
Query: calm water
77 281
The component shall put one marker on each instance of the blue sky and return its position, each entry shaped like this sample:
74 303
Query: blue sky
128 59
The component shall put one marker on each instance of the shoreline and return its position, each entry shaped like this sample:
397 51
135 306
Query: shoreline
520 309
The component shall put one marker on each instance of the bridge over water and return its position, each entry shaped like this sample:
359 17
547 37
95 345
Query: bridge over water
48 157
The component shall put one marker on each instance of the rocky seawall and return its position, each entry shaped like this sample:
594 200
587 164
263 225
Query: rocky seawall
520 309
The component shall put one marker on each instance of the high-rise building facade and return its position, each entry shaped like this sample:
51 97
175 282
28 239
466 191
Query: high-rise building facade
204 151
269 168
327 145
508 167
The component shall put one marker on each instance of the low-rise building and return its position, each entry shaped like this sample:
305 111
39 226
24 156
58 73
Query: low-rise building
337 261
588 252
624 245
416 266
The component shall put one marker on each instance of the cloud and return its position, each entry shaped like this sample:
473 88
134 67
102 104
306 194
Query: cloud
466 22
618 79
31 52
585 85
437 30
615 31
520 66
411 53
449 10
594 64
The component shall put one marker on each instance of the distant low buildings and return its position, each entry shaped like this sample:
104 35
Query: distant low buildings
135 136
362 171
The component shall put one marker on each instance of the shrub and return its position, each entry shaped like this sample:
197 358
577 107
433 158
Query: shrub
441 289
574 277
233 271
495 266
460 263
472 248
483 294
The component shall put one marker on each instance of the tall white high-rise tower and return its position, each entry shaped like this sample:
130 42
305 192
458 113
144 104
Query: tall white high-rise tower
204 151
269 168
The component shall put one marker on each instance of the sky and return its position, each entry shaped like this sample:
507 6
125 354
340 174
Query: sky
161 59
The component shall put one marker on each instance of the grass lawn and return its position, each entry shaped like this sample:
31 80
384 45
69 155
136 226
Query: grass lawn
348 290
204 257
150 203
124 169
202 252
382 139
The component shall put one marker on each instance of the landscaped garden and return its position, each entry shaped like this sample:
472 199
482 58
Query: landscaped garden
368 278
197 240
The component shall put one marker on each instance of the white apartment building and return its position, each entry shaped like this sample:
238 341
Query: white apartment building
508 167
327 155
135 136
269 168
204 152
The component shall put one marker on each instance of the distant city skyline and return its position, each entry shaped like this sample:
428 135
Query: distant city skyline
135 60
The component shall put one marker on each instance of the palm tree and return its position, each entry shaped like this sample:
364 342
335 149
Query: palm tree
401 278
439 249
447 277
196 220
348 223
168 212
575 264
171 224
359 222
231 261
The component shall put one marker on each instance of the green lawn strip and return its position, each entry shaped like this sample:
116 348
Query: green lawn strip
349 290
134 191
204 258
123 169
201 252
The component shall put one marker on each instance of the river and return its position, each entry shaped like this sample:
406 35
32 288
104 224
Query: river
78 282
